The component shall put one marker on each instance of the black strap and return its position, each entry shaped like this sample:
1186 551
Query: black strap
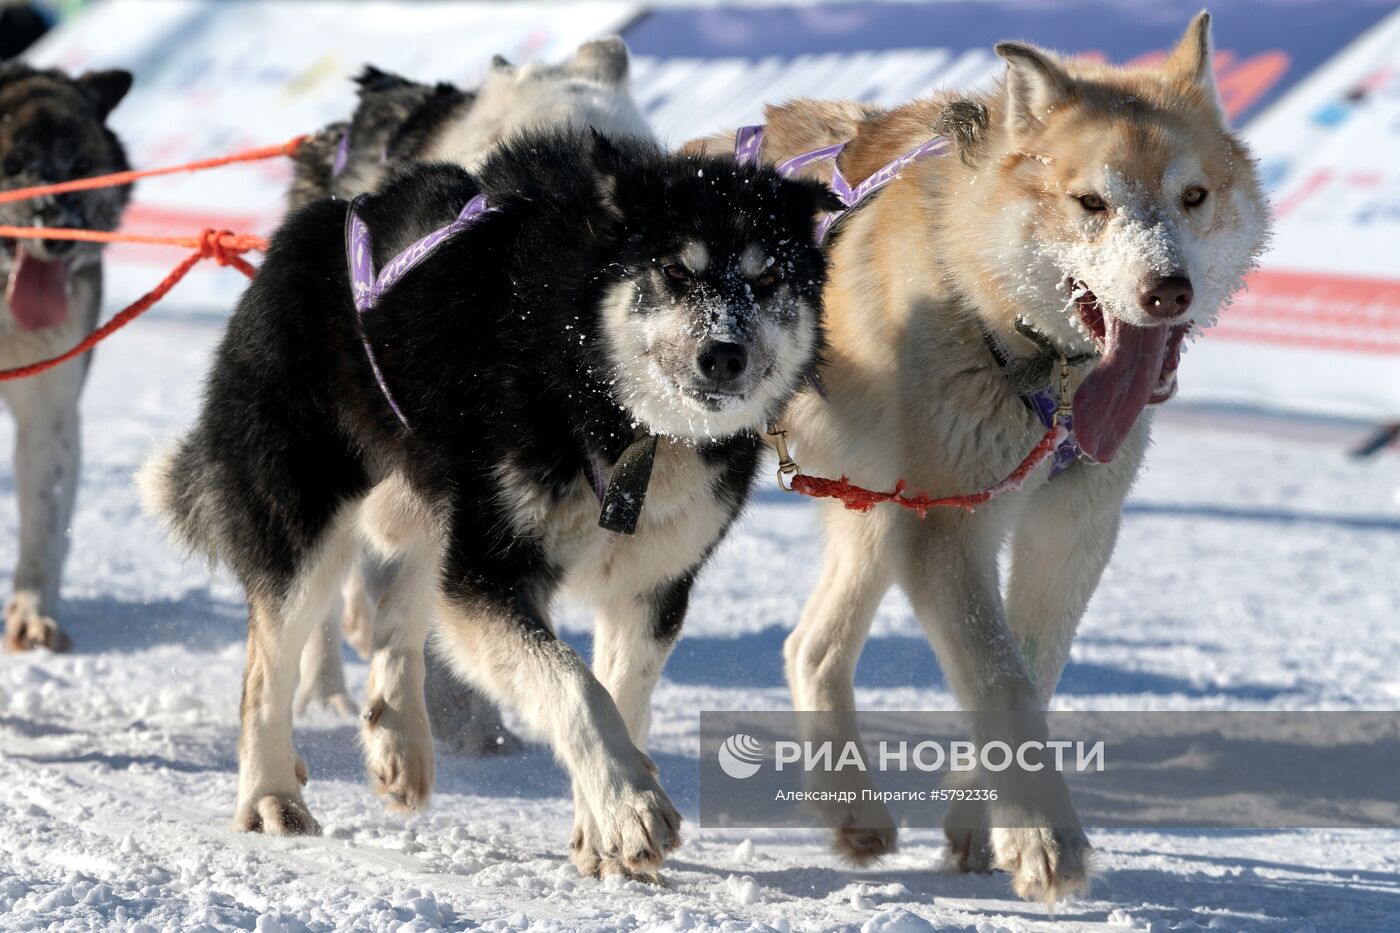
627 487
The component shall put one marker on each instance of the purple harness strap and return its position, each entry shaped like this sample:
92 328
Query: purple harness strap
1045 406
342 154
367 288
748 142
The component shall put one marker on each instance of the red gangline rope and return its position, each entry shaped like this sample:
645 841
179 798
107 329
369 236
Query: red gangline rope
223 246
288 148
859 499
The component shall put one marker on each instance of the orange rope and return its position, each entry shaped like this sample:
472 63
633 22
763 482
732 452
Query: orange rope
859 499
222 246
288 148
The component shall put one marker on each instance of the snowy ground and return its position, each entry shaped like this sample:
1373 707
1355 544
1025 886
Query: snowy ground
1256 570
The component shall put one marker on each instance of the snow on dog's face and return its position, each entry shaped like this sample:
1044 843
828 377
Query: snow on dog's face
51 130
715 318
588 91
1134 218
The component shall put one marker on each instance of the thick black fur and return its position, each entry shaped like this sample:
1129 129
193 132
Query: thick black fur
491 346
393 121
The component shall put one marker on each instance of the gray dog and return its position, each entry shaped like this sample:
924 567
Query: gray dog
51 130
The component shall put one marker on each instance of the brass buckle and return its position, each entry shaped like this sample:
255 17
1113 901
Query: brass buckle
1065 406
786 465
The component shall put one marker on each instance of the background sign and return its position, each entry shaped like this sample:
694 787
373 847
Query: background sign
213 78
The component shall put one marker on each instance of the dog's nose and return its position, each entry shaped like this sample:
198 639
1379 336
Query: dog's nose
722 362
1167 297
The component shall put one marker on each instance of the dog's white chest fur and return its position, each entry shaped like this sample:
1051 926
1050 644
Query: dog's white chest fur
681 519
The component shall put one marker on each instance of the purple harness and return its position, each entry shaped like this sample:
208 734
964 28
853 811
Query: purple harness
748 143
368 288
1045 406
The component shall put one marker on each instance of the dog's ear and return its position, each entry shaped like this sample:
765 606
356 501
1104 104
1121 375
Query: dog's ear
501 65
605 59
608 165
371 78
1034 84
1193 61
106 88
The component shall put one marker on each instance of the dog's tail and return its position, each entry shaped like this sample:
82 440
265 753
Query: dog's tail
177 490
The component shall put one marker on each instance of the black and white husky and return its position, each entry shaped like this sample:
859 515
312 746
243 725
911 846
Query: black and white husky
615 311
397 122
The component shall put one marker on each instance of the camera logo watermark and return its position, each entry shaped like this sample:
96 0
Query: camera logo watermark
740 756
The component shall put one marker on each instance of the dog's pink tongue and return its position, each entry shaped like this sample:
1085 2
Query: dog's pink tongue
1109 400
37 291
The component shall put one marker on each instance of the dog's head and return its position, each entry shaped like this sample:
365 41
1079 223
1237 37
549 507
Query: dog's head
713 320
588 90
51 130
1125 212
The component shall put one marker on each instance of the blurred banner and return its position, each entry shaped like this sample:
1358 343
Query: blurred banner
1315 86
216 77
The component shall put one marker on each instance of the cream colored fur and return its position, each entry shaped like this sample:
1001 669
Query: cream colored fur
953 247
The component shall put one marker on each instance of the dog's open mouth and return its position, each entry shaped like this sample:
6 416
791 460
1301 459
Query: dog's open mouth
36 291
1136 367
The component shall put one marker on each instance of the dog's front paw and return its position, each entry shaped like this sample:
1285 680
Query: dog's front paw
26 626
862 833
398 753
969 840
276 814
586 850
969 848
1046 864
862 829
635 832
863 845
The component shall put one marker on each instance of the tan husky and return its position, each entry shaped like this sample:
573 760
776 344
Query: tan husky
1102 209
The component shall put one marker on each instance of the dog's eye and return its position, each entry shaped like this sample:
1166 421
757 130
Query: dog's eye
1195 196
767 280
677 272
1091 203
13 166
81 165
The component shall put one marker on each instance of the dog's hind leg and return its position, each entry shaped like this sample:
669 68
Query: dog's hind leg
821 655
365 586
503 645
461 718
270 773
397 740
47 461
631 641
322 673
